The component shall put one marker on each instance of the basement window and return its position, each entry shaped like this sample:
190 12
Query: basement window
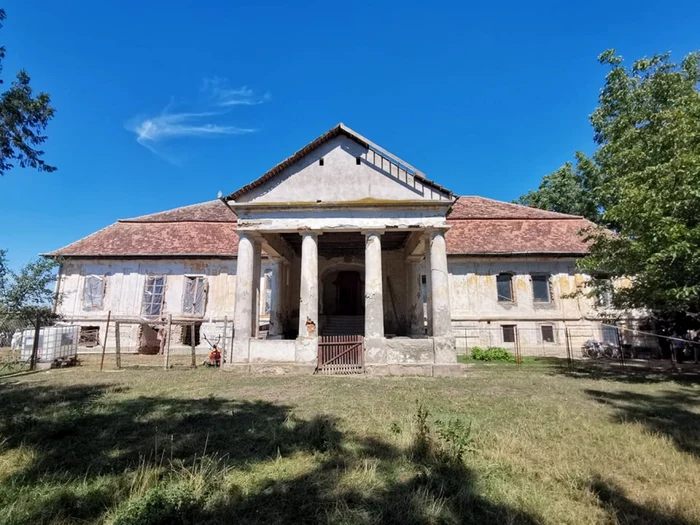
504 287
89 336
540 289
153 295
186 334
547 331
194 296
93 292
508 332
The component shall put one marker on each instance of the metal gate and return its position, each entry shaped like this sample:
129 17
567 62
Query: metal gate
341 354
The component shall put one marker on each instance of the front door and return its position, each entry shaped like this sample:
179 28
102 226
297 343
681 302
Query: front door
348 300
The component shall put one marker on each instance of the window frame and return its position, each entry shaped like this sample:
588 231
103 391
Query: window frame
205 291
548 286
144 303
92 307
513 328
511 288
554 336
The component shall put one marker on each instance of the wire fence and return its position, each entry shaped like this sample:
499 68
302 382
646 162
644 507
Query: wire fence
596 342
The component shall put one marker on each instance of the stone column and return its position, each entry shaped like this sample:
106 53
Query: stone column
374 302
276 303
257 269
307 342
243 309
428 285
375 348
440 305
308 291
414 288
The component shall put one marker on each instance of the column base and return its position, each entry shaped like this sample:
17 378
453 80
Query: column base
445 349
375 350
306 351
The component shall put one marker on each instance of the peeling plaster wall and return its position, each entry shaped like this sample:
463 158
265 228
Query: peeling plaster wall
340 178
124 285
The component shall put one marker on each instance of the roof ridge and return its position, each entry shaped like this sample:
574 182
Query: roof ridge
152 217
546 214
47 254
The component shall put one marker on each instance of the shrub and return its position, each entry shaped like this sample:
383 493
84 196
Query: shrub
456 438
163 504
492 354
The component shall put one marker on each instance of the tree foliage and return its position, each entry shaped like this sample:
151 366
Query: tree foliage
23 120
643 182
29 293
647 128
570 189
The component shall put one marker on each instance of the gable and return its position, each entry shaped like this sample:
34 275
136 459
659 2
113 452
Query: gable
340 166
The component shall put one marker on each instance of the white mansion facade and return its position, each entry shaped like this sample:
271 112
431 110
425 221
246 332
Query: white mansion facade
341 238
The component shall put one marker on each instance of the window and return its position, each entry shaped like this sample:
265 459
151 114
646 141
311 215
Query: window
93 292
267 287
89 336
547 333
358 160
504 287
320 161
604 295
194 296
153 295
186 334
424 288
508 333
540 288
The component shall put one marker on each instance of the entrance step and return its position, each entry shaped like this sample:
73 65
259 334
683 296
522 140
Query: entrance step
344 325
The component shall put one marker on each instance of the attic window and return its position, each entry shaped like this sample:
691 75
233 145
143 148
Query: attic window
358 160
320 161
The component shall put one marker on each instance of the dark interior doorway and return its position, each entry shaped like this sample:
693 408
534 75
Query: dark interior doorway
348 296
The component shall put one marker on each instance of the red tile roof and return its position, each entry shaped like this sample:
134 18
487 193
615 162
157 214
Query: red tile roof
200 230
478 226
472 207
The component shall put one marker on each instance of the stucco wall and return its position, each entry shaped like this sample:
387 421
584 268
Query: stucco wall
340 179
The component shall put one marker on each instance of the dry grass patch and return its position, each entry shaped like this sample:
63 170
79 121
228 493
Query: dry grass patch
502 446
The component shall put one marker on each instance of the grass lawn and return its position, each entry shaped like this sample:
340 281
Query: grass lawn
201 446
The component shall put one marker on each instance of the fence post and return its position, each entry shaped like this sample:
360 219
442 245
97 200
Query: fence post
167 344
223 347
517 348
104 346
192 342
35 344
569 349
117 340
619 346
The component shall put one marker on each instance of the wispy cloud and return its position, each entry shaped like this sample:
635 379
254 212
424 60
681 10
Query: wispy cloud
154 132
224 96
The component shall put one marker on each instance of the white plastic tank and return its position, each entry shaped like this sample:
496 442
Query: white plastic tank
55 342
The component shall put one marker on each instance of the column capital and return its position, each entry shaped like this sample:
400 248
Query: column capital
310 233
373 231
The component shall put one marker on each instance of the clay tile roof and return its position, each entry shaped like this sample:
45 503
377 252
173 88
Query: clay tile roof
480 226
472 207
201 230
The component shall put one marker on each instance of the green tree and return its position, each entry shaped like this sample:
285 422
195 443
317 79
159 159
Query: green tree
570 189
23 119
29 293
647 128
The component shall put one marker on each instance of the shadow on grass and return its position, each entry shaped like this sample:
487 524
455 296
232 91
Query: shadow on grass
89 448
633 372
669 413
620 509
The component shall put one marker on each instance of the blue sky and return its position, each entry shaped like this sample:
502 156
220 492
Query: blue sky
162 104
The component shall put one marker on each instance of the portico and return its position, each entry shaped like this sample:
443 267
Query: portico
358 239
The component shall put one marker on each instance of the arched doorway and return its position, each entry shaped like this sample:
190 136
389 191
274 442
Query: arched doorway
343 293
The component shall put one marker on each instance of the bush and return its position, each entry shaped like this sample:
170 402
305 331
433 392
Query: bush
492 354
163 504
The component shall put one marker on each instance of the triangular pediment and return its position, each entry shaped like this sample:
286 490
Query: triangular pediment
341 166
